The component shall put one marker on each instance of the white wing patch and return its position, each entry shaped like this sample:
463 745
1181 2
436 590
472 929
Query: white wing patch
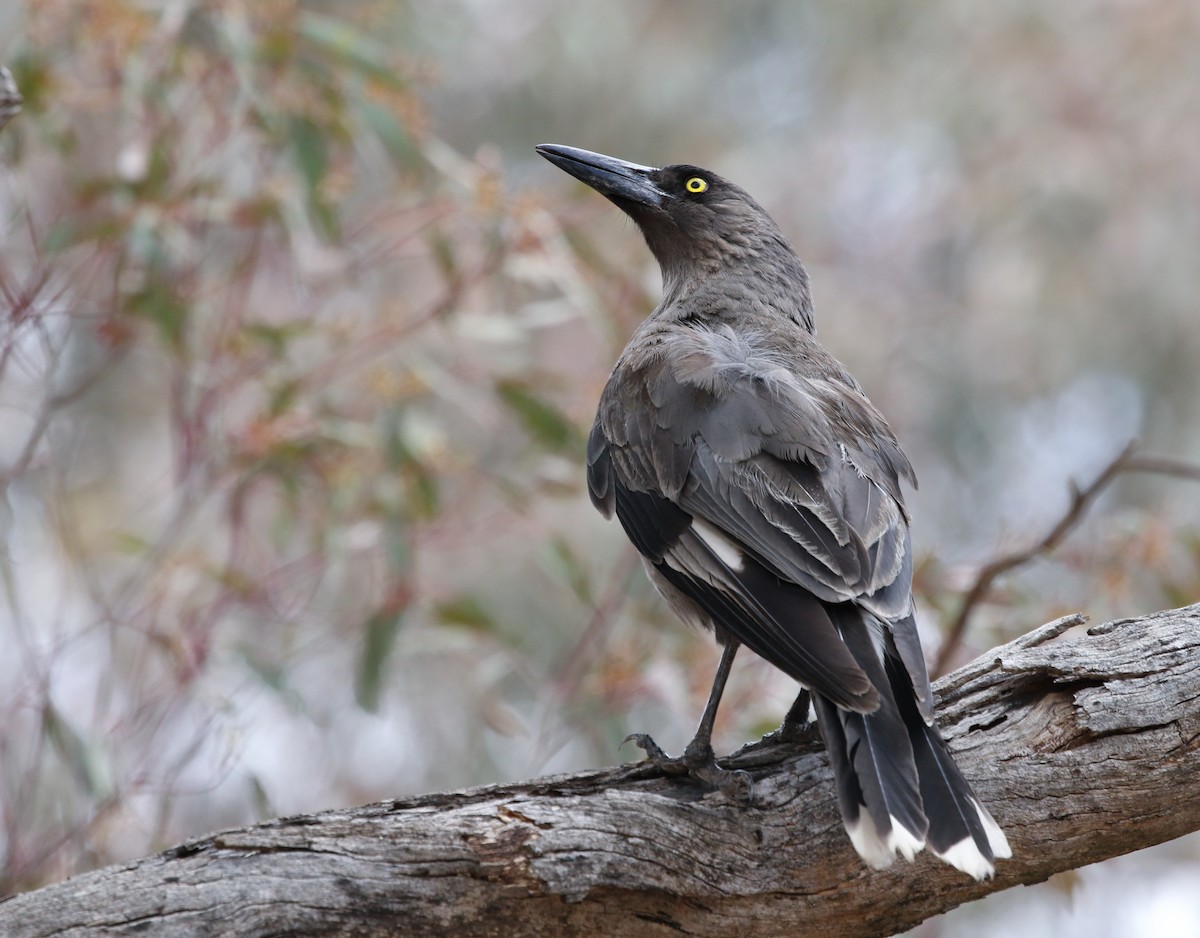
719 543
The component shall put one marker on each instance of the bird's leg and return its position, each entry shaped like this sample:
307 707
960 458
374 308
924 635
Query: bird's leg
796 725
797 720
699 751
698 759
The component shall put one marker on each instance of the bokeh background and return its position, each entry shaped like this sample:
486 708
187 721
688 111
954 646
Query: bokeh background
300 341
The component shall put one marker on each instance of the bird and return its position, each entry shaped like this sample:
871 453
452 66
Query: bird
762 489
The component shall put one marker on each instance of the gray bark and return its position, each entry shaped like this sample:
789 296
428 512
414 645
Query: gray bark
1084 742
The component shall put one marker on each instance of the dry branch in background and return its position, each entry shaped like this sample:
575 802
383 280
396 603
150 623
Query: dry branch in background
1128 460
1085 742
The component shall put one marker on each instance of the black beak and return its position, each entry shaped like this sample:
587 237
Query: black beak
619 181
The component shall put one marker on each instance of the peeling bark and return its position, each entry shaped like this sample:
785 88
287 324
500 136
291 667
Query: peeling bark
1084 743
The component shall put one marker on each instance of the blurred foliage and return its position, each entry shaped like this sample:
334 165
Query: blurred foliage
265 349
300 344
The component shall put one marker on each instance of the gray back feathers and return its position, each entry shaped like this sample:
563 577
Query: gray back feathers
787 456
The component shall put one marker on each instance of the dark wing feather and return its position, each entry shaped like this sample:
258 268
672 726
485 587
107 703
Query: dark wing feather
599 472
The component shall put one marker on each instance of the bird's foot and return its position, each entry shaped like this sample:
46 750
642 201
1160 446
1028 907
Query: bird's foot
655 753
797 725
699 762
789 733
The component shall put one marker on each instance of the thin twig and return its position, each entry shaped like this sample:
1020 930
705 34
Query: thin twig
1163 466
1081 501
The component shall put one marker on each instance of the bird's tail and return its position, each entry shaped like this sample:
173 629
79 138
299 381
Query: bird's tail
898 787
961 831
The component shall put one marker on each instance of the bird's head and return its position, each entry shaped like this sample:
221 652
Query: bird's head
696 223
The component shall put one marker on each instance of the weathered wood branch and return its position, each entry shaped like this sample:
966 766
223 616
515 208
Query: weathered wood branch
1085 743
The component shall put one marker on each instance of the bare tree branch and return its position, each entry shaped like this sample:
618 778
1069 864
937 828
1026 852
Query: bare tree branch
1082 499
1085 742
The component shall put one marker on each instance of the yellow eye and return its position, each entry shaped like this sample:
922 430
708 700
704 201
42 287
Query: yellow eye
696 185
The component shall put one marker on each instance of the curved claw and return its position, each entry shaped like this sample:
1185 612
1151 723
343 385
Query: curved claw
646 743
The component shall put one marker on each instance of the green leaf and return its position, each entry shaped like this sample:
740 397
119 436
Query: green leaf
379 636
282 396
275 337
399 550
547 424
392 135
351 47
566 565
325 219
35 80
467 612
158 303
262 801
310 149
129 543
443 254
426 498
154 186
271 674
423 494
85 761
